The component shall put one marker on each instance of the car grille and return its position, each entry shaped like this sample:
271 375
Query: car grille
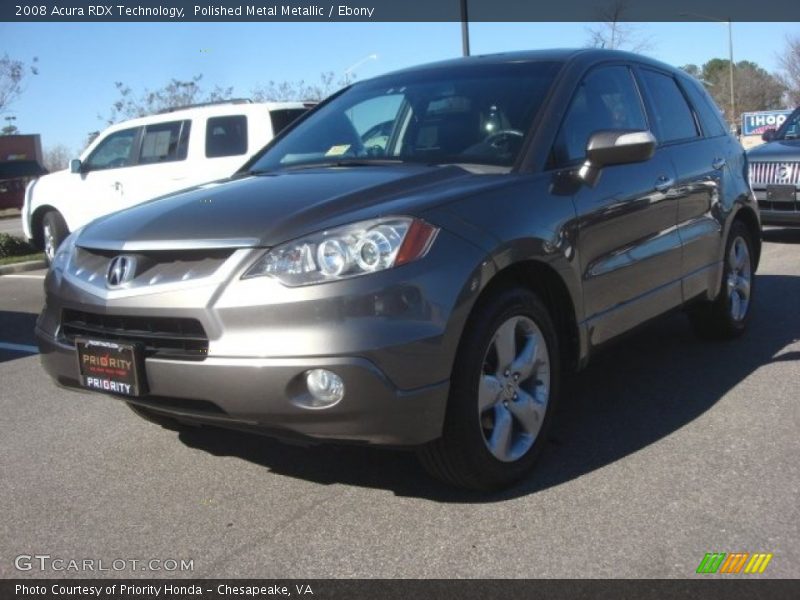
163 337
152 267
774 173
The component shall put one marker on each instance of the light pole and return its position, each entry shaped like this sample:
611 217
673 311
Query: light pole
730 56
464 29
349 70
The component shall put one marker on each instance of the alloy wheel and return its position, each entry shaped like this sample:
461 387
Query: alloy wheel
739 279
514 388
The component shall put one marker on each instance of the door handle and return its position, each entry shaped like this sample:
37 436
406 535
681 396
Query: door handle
718 163
663 183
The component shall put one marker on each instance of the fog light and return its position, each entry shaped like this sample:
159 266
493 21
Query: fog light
326 387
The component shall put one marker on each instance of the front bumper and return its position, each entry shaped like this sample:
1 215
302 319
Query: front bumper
258 393
391 337
777 213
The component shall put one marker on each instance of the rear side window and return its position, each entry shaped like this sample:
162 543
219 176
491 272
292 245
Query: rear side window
672 116
283 117
606 99
710 115
164 142
226 136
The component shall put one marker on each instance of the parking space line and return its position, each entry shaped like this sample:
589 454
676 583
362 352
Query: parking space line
19 348
18 276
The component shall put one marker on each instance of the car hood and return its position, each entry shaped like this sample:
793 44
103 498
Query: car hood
779 150
267 209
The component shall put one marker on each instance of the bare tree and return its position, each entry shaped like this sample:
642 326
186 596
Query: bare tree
790 66
57 157
300 90
173 94
12 79
613 33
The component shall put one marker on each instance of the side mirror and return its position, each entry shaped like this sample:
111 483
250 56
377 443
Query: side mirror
615 147
75 165
768 135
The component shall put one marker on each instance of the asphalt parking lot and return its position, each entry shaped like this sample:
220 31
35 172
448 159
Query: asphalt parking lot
666 448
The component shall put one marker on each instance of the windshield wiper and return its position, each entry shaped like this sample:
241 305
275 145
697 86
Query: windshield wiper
344 162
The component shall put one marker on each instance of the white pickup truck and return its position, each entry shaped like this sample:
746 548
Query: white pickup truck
144 158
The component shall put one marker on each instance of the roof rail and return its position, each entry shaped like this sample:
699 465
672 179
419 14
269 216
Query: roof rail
201 104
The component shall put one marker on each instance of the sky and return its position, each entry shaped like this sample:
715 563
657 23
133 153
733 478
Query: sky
79 62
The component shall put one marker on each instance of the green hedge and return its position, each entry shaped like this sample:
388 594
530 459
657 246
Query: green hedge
14 246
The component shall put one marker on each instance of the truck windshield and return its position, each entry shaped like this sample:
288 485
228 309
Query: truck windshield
473 113
790 130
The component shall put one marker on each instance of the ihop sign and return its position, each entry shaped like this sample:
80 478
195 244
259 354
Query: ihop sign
756 123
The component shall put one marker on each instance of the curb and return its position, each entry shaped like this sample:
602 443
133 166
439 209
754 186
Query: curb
29 265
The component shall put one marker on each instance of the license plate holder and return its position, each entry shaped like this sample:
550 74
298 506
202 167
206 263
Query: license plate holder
111 367
781 193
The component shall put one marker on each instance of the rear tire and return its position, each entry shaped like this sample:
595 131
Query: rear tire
54 231
504 389
726 317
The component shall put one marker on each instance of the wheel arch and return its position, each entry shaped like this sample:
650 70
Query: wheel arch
748 216
543 279
36 223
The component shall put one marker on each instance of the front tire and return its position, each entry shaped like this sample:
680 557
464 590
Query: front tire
727 316
54 231
504 389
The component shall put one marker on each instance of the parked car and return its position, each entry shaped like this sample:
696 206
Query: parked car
775 173
20 161
430 289
140 159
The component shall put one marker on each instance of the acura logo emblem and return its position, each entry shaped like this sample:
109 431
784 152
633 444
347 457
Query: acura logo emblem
121 270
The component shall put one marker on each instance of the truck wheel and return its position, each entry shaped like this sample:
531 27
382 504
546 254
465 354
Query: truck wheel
504 388
54 231
726 317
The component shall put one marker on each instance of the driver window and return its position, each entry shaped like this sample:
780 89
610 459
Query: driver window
606 99
114 151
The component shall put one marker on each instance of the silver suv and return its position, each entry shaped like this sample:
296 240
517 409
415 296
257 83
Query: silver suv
420 260
775 173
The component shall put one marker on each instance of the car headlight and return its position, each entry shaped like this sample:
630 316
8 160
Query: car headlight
348 251
65 251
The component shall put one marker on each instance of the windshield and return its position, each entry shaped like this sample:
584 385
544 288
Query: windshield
790 130
476 114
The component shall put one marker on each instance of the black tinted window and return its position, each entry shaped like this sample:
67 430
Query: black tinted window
710 116
283 117
606 99
164 142
113 151
226 136
673 117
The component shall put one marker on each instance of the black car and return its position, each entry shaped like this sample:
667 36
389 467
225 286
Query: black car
775 173
419 261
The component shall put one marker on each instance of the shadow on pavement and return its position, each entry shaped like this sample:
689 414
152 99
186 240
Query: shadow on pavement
632 395
16 328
